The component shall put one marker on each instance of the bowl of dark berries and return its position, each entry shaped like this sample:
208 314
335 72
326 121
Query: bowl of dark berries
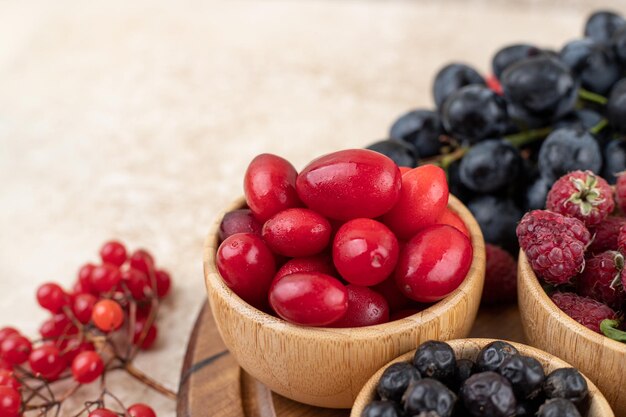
318 278
571 278
479 378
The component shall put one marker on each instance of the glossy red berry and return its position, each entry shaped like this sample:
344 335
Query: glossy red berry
4 364
140 410
142 260
239 221
105 278
297 232
395 298
423 199
270 186
10 402
365 252
247 266
309 298
15 349
52 297
57 326
82 307
83 284
137 282
163 282
365 308
73 347
7 379
402 314
107 315
47 362
114 253
102 412
150 336
449 217
434 263
7 332
350 184
87 367
318 263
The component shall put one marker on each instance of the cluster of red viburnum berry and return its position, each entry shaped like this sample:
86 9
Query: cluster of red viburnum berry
98 327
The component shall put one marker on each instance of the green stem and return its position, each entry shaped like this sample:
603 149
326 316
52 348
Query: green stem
610 330
528 136
591 96
448 159
598 128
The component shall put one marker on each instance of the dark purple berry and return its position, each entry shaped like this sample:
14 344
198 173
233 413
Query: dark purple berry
525 375
395 380
453 77
566 383
488 394
491 356
429 395
435 360
558 408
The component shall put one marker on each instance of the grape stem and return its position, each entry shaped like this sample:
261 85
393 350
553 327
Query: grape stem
598 128
524 138
591 96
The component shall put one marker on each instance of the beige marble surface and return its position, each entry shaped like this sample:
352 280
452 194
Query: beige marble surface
136 119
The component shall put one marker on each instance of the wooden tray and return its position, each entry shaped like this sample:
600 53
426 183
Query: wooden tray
213 385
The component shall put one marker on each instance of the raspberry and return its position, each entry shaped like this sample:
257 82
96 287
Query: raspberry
620 191
621 240
554 244
601 279
500 277
582 195
605 234
588 312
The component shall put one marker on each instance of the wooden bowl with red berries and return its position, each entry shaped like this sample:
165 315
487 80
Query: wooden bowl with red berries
311 361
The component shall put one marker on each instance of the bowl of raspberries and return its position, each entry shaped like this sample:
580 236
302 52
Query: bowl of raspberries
571 278
479 378
318 277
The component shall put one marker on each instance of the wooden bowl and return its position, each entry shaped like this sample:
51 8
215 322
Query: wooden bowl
327 367
468 349
602 359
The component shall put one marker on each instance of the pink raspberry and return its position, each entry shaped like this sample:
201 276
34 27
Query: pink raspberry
621 240
588 312
500 277
554 245
602 279
582 195
620 191
605 234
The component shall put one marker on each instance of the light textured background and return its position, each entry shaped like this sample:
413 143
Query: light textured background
136 119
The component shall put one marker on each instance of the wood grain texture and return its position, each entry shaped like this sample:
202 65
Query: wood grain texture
468 349
214 385
327 367
603 360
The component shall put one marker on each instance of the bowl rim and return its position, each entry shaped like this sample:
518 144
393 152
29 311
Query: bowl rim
367 391
525 272
214 282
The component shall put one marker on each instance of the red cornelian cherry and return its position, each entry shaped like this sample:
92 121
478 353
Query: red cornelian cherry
7 332
423 198
318 263
309 298
163 282
365 252
143 261
365 308
349 184
297 232
451 218
239 221
7 379
82 307
103 412
56 326
114 253
270 186
105 278
107 315
47 361
15 349
10 402
434 263
87 367
401 314
137 282
395 298
52 297
150 336
247 266
140 410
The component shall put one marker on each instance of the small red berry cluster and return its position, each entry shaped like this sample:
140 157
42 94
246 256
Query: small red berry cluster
97 327
578 246
352 240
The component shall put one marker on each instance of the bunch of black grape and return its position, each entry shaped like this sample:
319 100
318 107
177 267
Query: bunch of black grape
504 140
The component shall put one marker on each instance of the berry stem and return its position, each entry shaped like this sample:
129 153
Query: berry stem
591 96
447 160
598 128
610 330
524 138
145 379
